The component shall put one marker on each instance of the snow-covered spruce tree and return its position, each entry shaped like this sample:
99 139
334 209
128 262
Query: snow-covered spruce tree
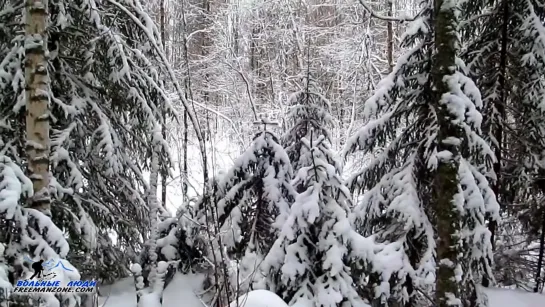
308 113
105 99
508 69
251 203
426 193
528 101
309 263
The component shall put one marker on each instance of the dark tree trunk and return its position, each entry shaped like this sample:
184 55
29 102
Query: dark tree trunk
445 181
164 173
390 37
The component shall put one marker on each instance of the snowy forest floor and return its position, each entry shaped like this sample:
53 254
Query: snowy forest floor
182 292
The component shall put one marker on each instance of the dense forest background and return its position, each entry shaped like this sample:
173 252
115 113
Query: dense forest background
334 152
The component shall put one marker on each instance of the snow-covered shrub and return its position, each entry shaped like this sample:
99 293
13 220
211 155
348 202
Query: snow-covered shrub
31 233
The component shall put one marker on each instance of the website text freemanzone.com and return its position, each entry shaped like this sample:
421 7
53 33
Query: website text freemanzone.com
53 290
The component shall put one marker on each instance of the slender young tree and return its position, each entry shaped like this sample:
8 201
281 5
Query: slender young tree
155 297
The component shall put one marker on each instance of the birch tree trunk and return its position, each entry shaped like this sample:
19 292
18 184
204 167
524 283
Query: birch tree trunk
37 103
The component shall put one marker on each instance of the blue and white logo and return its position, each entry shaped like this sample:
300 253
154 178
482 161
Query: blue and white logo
49 276
45 270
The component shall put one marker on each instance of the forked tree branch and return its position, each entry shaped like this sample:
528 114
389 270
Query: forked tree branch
382 17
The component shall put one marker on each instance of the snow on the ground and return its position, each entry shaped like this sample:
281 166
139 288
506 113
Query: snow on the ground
120 294
182 292
179 292
259 298
514 298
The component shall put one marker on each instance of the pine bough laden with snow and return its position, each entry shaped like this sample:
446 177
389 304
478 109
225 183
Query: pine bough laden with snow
179 244
508 69
249 204
308 113
106 98
29 233
309 264
425 116
182 239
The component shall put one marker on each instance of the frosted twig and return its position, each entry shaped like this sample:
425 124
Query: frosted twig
382 17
